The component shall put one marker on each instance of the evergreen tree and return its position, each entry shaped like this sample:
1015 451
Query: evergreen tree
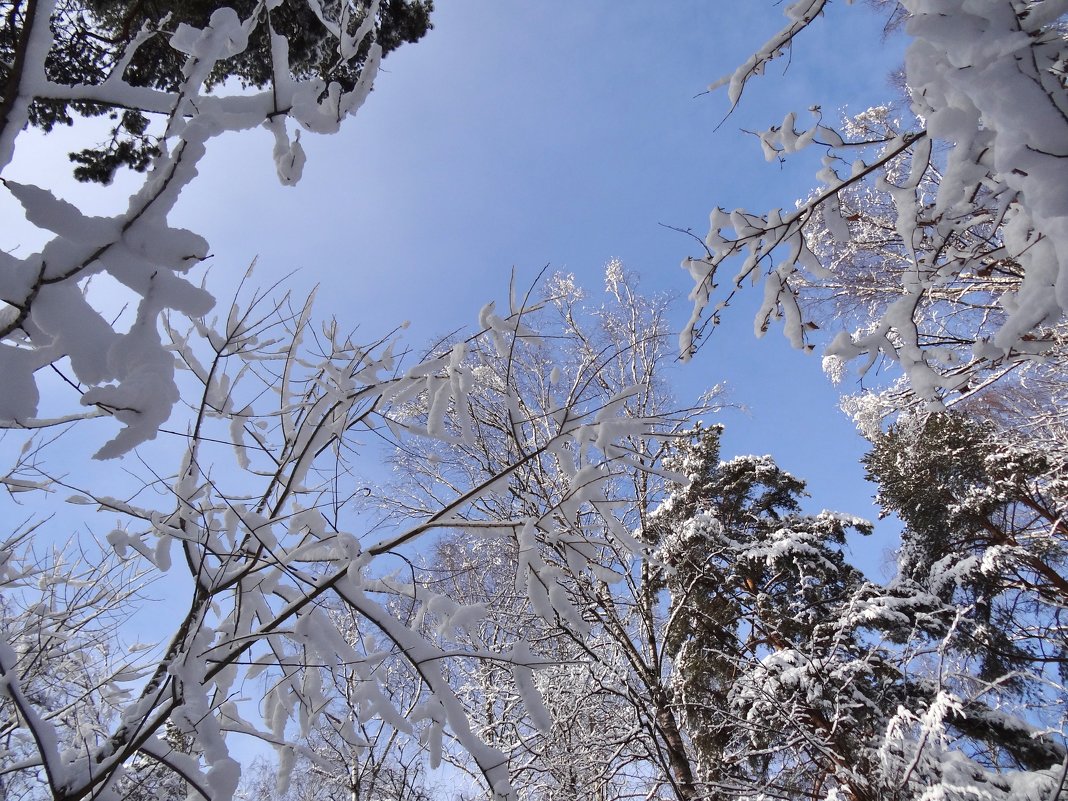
775 685
985 542
796 677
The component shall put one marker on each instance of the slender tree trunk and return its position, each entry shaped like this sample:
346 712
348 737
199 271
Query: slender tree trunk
678 759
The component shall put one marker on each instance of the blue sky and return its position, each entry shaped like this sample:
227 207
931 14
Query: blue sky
525 134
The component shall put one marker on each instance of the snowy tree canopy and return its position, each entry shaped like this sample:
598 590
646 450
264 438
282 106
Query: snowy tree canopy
544 599
257 518
603 723
798 677
954 209
170 79
90 39
776 689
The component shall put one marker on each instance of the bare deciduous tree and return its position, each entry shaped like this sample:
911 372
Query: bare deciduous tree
283 579
50 316
608 725
943 236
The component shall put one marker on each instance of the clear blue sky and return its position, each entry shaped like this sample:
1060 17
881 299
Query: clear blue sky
561 133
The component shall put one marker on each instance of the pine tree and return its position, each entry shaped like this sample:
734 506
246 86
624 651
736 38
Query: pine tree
775 686
986 543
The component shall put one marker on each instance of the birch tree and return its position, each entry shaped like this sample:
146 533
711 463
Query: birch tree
607 727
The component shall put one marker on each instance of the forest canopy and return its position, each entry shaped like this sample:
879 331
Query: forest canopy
511 563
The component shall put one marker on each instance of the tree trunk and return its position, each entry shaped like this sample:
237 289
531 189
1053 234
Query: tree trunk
678 759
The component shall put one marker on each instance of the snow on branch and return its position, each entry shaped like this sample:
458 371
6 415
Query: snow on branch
292 583
167 116
939 235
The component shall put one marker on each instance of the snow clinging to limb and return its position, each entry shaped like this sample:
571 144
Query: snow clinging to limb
970 180
162 77
293 595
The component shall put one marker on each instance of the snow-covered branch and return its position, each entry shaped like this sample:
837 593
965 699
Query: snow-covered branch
953 218
262 515
161 78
